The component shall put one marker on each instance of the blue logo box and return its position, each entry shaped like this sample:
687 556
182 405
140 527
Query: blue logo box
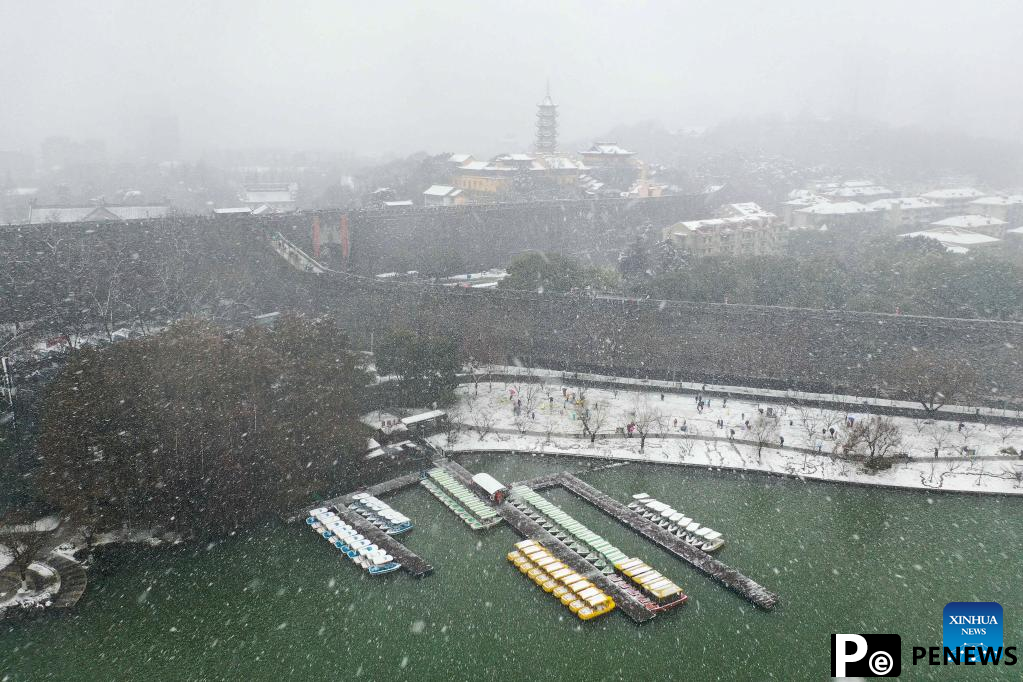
972 623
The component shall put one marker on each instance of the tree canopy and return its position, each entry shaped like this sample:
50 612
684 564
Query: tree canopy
555 273
200 428
425 366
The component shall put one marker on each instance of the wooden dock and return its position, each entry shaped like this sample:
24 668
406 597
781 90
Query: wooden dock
528 528
380 489
698 559
409 560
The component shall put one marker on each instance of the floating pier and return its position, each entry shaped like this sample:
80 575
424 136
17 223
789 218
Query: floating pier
698 559
416 566
528 528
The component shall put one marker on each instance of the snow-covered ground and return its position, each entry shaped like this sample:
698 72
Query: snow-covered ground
740 391
548 421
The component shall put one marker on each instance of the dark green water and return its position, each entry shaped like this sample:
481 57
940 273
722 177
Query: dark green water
279 604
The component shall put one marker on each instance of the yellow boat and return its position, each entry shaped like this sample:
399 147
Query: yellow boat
549 585
512 556
575 605
568 598
526 566
535 571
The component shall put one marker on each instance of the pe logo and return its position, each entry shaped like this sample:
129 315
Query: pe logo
974 624
866 655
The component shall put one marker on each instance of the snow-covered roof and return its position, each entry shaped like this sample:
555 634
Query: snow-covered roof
1015 230
750 209
233 209
475 165
1010 200
442 191
81 214
905 203
460 158
139 212
837 208
425 416
398 204
490 484
969 221
954 193
515 157
867 191
606 149
807 199
953 238
275 193
562 163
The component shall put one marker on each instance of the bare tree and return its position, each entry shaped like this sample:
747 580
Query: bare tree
648 419
879 438
764 430
482 422
24 549
594 417
935 383
940 436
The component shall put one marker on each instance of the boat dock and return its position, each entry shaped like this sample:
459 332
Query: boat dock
386 488
528 528
698 559
409 560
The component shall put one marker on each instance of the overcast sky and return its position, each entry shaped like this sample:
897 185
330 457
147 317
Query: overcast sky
397 77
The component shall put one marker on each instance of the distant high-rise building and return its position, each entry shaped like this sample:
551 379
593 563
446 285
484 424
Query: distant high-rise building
547 124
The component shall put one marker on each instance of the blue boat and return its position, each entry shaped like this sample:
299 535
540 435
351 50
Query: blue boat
384 568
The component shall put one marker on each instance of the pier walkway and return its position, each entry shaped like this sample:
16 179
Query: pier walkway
698 559
409 560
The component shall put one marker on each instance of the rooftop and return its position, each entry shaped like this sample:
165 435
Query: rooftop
606 149
953 238
969 221
837 208
903 203
953 193
1011 200
442 191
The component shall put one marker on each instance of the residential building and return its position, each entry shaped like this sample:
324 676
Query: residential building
954 239
954 200
908 211
740 230
837 215
974 223
1008 208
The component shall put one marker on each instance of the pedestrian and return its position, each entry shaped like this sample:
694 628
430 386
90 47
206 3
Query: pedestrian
724 402
708 403
674 424
961 425
790 422
747 423
820 446
832 430
781 440
662 396
935 453
532 415
742 416
731 434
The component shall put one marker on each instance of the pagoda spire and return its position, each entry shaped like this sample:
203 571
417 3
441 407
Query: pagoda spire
547 124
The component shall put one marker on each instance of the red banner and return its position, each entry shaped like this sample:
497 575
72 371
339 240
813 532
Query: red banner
344 238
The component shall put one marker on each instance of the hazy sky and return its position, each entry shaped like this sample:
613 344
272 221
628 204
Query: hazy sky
396 77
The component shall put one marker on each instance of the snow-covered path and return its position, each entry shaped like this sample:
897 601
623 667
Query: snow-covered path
548 421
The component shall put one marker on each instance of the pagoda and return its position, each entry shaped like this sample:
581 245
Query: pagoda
547 124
